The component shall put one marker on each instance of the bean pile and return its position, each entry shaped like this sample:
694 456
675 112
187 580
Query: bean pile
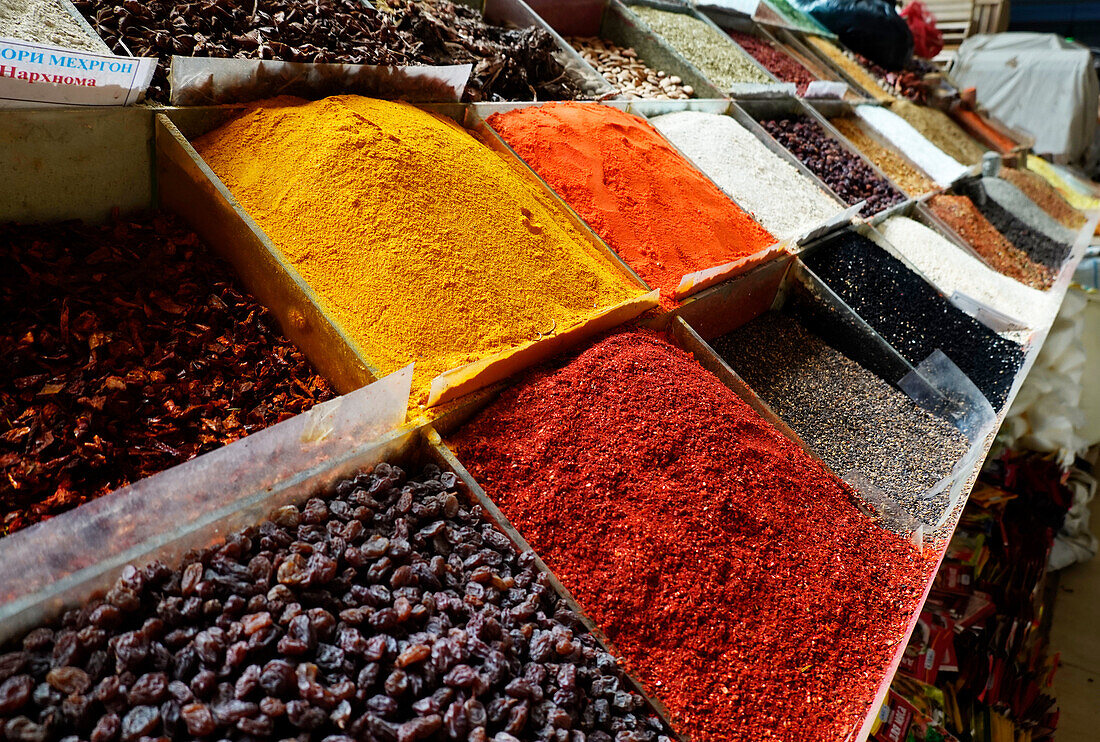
389 612
960 213
127 349
1045 195
896 167
1038 246
848 416
730 569
851 178
783 66
510 64
704 46
912 316
628 73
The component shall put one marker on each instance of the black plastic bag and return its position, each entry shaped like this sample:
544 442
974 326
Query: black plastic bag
871 27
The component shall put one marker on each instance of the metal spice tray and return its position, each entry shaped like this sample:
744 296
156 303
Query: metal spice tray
613 21
833 109
795 40
197 193
671 6
692 283
649 109
518 14
811 63
759 110
372 432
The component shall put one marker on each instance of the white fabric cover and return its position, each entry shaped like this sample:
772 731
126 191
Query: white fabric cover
1039 83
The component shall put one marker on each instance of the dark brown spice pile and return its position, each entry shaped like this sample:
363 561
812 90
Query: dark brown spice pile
848 175
509 64
388 612
126 349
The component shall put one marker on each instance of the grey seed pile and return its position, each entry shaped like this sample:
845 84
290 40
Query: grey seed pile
848 416
710 50
628 73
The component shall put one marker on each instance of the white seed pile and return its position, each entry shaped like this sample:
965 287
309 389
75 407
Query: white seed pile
781 198
951 269
627 72
928 157
43 22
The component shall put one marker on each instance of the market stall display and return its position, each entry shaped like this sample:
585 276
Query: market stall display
662 500
753 550
127 349
778 63
457 257
772 190
849 67
661 215
938 128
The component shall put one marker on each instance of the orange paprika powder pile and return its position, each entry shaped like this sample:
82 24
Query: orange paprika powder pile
662 216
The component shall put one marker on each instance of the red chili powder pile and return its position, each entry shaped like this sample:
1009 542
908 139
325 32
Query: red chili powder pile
728 568
661 215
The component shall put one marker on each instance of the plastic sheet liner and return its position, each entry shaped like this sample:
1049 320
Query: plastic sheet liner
1054 76
206 81
59 562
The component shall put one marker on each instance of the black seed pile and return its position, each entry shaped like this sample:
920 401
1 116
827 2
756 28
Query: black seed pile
848 416
1038 246
912 316
850 177
391 612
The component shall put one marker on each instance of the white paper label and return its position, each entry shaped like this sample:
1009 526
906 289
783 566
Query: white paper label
35 75
826 89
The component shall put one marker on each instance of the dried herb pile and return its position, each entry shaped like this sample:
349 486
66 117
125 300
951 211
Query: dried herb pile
126 349
509 64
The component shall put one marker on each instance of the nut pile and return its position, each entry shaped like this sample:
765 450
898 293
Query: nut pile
628 73
509 64
127 349
850 177
389 612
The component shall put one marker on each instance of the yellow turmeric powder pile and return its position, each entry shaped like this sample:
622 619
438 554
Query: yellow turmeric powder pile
420 241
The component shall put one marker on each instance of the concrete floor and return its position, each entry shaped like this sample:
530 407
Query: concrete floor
1075 633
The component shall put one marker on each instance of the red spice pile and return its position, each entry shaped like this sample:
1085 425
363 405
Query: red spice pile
126 349
729 568
784 67
661 215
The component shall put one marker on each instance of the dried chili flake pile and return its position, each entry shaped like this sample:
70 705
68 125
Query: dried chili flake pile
728 567
126 349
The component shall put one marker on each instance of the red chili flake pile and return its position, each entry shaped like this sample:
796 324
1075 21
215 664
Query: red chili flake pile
126 349
781 65
730 569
